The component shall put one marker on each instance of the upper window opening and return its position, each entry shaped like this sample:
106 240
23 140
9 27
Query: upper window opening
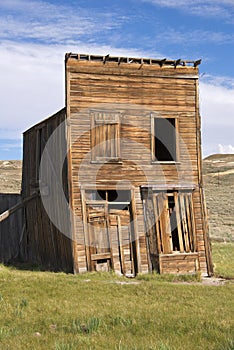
164 147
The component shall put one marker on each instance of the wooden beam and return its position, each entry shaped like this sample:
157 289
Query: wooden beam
177 62
106 58
121 245
17 206
100 256
178 220
196 63
161 63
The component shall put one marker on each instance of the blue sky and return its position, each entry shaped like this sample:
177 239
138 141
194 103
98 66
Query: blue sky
34 36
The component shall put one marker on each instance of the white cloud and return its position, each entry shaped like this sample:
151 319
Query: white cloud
32 83
204 8
217 104
40 20
217 112
7 147
32 87
226 149
172 35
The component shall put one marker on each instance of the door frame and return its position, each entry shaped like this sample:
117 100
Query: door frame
133 221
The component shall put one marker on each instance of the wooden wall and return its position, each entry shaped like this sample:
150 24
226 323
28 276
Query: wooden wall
43 242
11 229
138 92
135 91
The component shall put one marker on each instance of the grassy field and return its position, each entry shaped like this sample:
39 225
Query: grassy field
223 259
43 310
57 311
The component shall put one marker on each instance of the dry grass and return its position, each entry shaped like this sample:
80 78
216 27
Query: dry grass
219 189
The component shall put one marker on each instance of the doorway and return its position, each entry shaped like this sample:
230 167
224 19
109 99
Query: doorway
109 231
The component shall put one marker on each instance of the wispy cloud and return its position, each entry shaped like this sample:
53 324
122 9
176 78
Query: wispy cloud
205 8
8 145
226 149
43 21
179 36
10 149
218 81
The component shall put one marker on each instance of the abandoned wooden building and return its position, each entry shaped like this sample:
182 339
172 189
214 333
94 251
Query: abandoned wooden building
114 180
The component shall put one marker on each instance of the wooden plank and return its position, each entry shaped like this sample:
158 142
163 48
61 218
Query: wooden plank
119 229
100 256
85 228
178 219
157 225
184 221
17 206
135 235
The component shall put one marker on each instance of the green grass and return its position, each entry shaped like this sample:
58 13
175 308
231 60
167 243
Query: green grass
44 310
223 259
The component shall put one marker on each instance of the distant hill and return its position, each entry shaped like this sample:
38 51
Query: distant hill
218 170
10 176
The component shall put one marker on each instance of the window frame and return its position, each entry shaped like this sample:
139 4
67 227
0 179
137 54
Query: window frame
174 116
95 122
185 218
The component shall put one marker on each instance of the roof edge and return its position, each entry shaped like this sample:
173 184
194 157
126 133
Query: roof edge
142 61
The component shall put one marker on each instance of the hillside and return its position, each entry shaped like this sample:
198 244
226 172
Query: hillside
10 176
219 189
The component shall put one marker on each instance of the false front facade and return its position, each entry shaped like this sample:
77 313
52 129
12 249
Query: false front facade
118 171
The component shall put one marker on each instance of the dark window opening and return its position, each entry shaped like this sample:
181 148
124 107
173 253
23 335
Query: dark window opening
164 139
100 195
113 196
118 206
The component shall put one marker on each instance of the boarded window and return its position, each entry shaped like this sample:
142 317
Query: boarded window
172 225
164 139
105 138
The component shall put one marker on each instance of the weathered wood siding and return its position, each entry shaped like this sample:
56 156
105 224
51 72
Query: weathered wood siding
136 91
11 229
43 243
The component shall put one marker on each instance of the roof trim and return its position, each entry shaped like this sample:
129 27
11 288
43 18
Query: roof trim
141 61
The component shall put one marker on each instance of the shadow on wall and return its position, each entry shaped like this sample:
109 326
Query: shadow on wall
11 228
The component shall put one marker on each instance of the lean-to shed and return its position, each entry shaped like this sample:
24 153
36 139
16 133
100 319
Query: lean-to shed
118 171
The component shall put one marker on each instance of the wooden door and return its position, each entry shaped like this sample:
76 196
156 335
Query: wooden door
99 243
110 239
122 241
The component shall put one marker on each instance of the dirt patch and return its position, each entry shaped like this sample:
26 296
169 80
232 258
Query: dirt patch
213 281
